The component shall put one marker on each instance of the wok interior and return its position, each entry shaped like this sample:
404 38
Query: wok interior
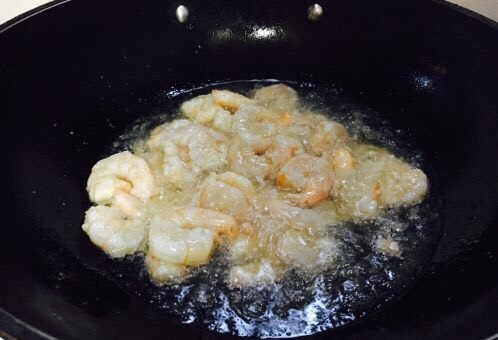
73 77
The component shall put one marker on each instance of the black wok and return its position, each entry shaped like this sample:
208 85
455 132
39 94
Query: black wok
74 75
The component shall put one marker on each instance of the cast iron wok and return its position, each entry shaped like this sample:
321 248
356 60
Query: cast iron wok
73 76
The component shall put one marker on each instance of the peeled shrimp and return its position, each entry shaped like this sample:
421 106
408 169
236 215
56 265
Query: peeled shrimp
342 162
122 179
328 134
278 97
298 218
243 160
254 273
280 151
204 110
110 230
380 180
228 192
184 236
188 149
299 250
163 271
309 177
229 100
256 126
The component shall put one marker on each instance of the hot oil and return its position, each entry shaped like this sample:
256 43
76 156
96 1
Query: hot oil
360 282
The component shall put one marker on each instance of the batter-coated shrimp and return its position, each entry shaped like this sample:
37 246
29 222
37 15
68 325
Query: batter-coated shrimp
254 273
380 180
342 162
257 126
298 218
188 149
299 250
278 97
111 231
204 110
184 236
310 177
228 192
229 100
162 271
122 179
327 135
280 151
243 160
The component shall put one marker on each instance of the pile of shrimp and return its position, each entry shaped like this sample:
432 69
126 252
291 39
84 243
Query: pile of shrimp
260 178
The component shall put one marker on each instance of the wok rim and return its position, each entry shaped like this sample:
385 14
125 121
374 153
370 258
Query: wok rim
13 327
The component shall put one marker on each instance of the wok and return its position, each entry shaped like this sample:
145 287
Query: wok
74 74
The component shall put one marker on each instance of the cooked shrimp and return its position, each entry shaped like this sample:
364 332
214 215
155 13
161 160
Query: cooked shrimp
184 236
171 243
298 218
228 192
256 126
110 230
299 250
162 271
243 160
122 179
280 151
402 184
188 149
328 134
254 273
204 110
243 247
342 162
190 217
380 180
310 177
229 100
278 97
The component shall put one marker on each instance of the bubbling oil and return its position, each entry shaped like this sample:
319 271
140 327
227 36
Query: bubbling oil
362 280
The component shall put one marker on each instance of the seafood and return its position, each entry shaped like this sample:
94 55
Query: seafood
310 177
110 230
259 179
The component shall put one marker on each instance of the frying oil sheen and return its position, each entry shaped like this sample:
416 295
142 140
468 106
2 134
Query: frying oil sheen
360 282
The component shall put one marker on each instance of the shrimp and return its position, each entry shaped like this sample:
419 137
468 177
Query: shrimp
188 149
170 243
205 111
297 249
162 271
402 184
278 97
243 247
310 177
254 273
310 220
229 100
327 135
257 126
184 237
228 192
342 162
122 179
110 230
243 160
380 180
280 151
